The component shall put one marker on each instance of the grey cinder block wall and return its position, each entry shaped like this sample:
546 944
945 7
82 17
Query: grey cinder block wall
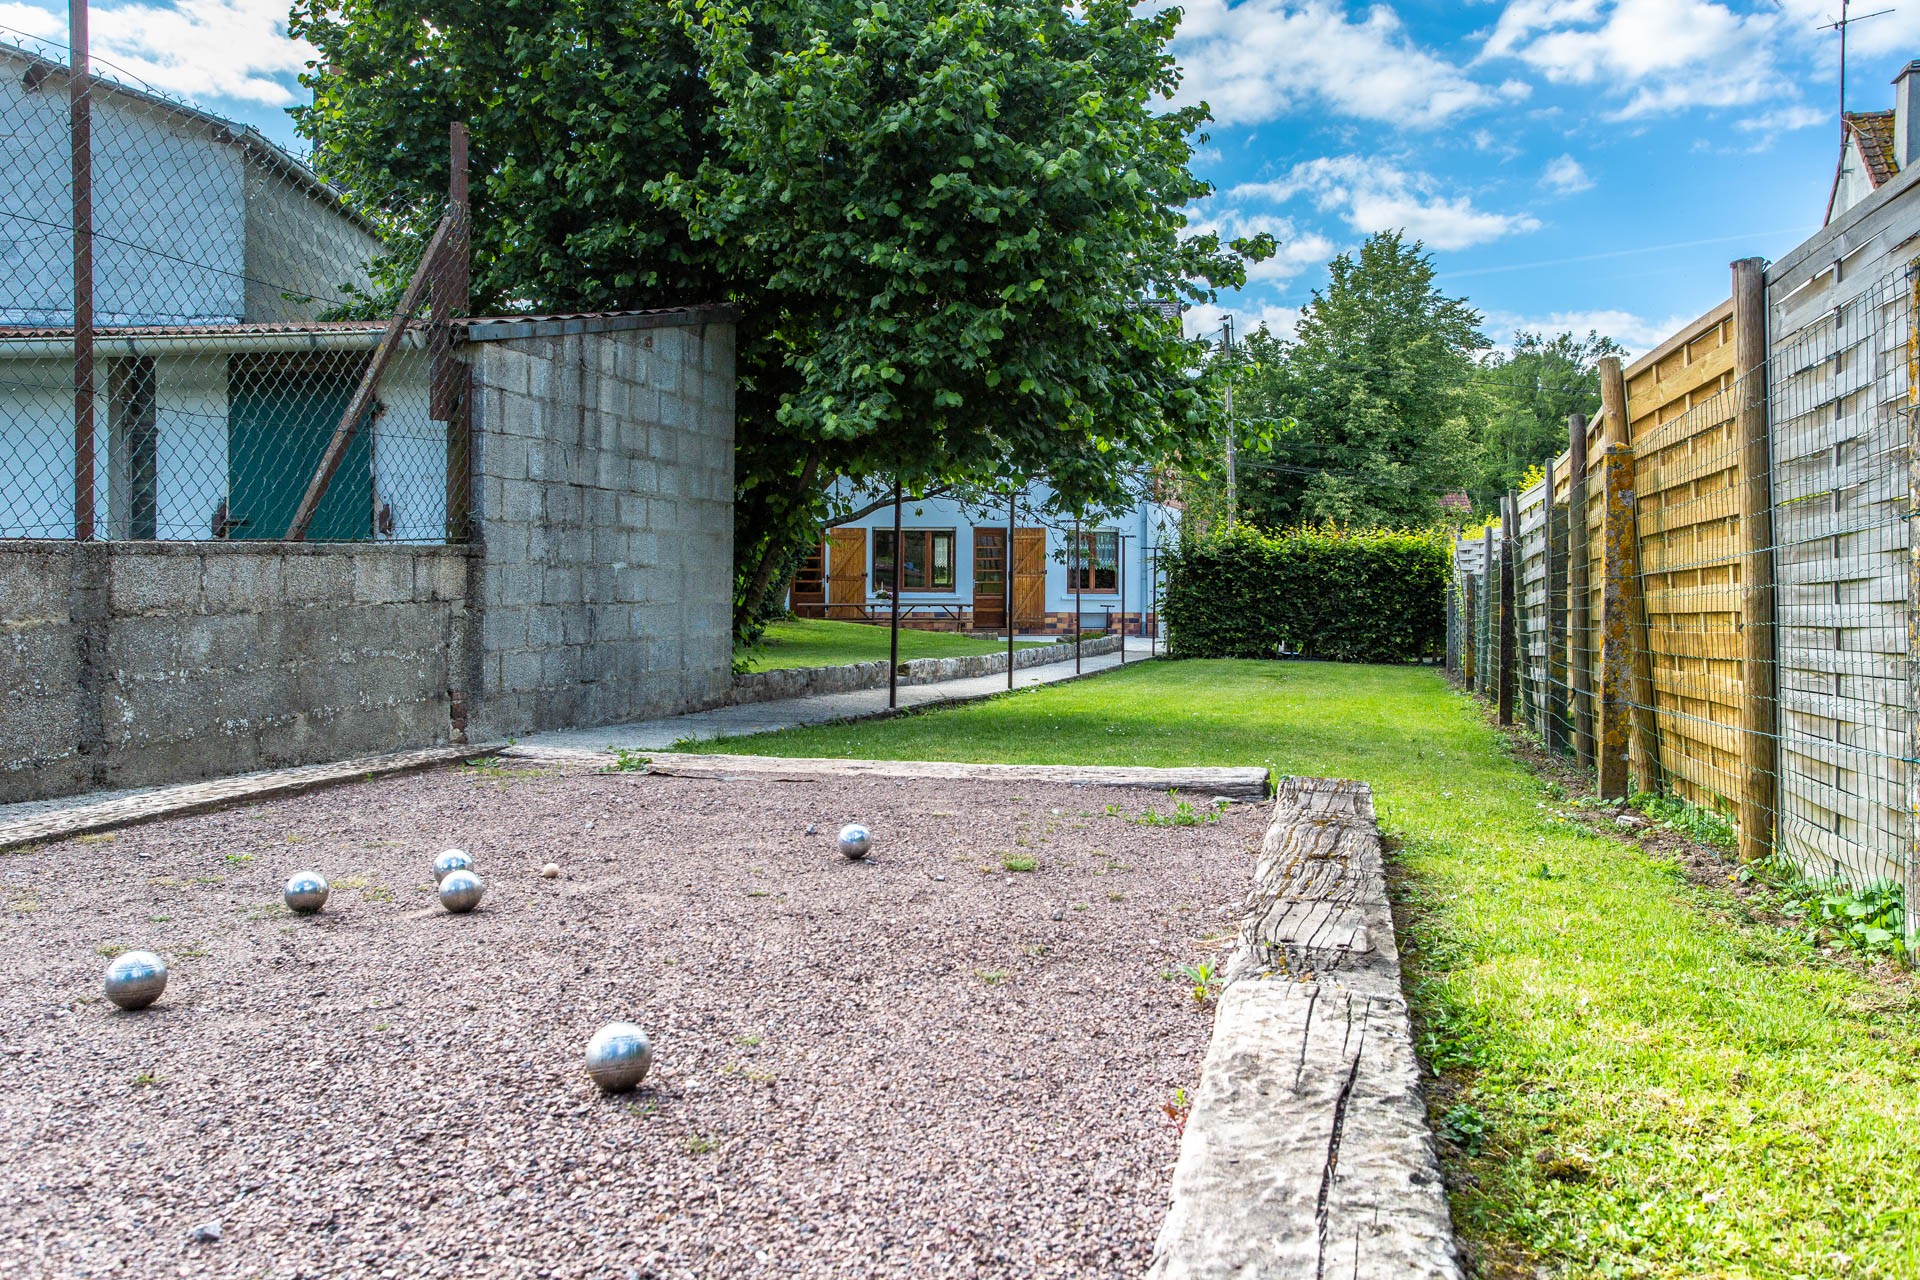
599 588
131 663
604 500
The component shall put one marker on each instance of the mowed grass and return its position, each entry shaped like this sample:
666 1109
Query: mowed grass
1640 1083
820 642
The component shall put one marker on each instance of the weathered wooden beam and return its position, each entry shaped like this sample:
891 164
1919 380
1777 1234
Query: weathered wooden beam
1509 621
362 402
1580 638
1759 754
1232 783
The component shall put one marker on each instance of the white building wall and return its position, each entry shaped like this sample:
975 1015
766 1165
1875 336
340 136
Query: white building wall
190 419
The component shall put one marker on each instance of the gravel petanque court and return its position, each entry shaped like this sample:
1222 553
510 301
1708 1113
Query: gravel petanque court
925 1064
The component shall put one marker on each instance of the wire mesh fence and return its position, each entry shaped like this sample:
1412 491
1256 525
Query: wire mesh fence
1723 610
194 329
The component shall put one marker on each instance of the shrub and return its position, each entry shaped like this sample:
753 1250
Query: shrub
1365 595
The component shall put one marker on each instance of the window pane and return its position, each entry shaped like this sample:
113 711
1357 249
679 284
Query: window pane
942 556
914 576
883 559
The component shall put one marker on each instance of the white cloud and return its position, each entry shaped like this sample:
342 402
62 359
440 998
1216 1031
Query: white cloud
1625 327
1297 250
233 49
1376 195
1565 175
1203 321
1262 59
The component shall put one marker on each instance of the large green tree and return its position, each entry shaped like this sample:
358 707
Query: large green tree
1525 395
944 221
1367 403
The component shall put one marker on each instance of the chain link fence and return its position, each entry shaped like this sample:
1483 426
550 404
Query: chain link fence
195 329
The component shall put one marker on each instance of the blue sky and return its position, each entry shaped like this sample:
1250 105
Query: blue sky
1571 163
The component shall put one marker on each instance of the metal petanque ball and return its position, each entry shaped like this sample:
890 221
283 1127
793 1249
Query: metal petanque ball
306 892
618 1056
855 840
135 979
460 891
449 862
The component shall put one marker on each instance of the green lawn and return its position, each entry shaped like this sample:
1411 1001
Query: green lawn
817 642
1649 1085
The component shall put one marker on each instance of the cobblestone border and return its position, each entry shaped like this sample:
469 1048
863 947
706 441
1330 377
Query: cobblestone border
1307 1152
55 821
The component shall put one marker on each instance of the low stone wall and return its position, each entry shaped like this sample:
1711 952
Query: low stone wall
1307 1150
807 682
129 663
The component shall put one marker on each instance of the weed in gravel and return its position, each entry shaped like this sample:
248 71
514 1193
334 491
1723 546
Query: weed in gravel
760 893
627 760
992 977
191 951
1178 1110
207 879
1205 980
239 859
377 893
108 950
352 882
1183 814
147 1079
700 1145
751 1041
1116 896
158 919
26 904
1079 906
98 837
383 1026
1012 863
646 1107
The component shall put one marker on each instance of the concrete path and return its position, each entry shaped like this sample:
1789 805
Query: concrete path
764 717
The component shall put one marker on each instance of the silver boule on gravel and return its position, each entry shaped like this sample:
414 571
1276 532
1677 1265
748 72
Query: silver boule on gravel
855 840
618 1056
449 862
460 891
135 979
306 892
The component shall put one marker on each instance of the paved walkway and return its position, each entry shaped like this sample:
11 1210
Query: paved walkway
764 717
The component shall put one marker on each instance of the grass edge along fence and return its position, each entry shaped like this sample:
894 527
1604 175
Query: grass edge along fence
1712 594
1350 595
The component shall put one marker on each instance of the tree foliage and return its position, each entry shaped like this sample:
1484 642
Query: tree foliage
1523 397
1368 405
942 220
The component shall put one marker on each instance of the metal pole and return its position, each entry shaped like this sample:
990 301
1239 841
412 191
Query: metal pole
899 571
1006 571
1233 501
1074 559
80 125
1120 576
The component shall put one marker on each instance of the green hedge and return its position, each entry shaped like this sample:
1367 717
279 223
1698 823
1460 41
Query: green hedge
1371 595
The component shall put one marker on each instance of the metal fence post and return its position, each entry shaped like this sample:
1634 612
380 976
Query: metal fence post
80 129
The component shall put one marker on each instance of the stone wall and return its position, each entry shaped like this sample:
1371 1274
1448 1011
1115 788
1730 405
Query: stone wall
129 663
807 682
604 499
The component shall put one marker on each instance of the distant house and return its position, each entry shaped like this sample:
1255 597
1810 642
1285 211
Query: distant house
1877 145
955 558
217 384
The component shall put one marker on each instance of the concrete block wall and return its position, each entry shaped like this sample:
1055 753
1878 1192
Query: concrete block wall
131 663
604 496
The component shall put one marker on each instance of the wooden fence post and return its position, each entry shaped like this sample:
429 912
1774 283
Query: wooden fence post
1509 519
1553 704
1759 741
1579 595
1627 732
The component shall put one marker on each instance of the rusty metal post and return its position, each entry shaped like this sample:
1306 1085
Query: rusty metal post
1509 521
80 129
1120 576
449 378
1759 743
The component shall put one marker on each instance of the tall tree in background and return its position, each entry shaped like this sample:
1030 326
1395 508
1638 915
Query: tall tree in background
1374 385
942 219
1524 398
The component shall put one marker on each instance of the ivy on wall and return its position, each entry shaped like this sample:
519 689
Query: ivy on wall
1365 595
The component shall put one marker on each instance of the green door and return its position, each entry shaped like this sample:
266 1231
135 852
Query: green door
279 420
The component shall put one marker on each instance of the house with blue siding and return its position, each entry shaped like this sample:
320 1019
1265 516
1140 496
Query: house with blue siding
217 383
962 562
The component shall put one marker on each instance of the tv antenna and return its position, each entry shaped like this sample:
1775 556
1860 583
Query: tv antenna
1847 20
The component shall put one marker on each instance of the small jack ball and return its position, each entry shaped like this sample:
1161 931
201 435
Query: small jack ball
306 892
135 979
550 872
618 1056
449 862
460 891
855 840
